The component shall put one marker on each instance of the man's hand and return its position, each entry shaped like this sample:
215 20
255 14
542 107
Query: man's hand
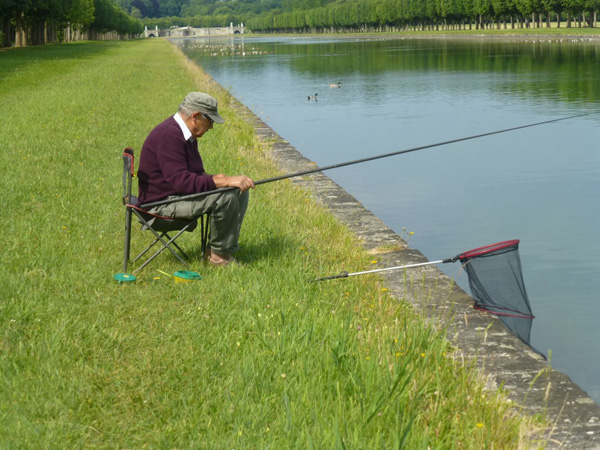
242 182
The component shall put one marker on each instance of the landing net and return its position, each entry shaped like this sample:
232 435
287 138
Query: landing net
496 282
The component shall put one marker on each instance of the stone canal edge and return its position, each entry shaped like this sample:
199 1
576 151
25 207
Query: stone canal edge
501 357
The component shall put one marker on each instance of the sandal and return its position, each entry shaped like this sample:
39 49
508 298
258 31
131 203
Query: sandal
215 259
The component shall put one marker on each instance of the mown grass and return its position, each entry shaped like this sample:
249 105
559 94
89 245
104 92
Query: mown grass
251 356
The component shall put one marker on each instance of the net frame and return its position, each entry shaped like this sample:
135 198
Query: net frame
497 286
495 280
482 299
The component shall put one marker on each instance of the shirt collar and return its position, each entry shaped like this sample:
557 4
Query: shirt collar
187 134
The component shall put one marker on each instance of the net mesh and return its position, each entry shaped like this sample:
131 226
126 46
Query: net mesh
496 282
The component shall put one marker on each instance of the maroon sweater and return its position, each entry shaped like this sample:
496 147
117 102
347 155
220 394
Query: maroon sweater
170 165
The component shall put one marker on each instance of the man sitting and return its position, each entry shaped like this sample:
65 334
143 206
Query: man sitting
171 166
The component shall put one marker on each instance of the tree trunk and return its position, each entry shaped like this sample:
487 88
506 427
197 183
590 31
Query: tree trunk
36 34
7 30
20 35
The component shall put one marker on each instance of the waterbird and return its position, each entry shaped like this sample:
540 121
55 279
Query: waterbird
335 85
313 97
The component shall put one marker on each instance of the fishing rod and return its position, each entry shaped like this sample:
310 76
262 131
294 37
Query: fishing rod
358 161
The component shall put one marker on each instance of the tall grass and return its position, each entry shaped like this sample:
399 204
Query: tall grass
251 356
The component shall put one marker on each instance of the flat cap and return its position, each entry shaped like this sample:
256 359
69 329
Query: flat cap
203 103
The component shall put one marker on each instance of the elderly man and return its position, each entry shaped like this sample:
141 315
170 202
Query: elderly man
171 166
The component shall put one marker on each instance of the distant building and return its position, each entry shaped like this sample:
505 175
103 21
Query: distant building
192 32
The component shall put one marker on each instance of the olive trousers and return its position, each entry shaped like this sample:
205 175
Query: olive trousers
226 211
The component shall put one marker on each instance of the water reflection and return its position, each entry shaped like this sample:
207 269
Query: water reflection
551 70
540 185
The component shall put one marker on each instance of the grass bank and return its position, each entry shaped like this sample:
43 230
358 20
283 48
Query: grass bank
251 356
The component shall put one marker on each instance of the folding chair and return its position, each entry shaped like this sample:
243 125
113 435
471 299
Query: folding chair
159 226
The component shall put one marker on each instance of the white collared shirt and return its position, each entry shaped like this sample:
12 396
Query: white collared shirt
187 134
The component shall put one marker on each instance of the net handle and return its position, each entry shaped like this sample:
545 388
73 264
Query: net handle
488 249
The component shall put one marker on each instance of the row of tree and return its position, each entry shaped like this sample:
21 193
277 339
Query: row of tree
368 15
364 15
40 21
32 22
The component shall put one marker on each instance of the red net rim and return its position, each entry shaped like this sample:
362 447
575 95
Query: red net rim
488 249
516 314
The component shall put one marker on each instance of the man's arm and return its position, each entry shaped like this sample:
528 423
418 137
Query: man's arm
242 182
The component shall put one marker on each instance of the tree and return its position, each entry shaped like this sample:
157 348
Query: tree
482 10
148 8
7 12
170 8
386 13
81 13
552 6
135 13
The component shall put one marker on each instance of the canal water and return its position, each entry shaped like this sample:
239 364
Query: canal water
540 184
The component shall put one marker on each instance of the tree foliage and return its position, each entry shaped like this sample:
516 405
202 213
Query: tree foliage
315 15
359 15
41 21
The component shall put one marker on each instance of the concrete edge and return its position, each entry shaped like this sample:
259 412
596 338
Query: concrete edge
502 358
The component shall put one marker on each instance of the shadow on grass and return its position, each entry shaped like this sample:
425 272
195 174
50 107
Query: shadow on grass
272 248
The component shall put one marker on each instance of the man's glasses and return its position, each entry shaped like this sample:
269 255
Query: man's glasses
206 117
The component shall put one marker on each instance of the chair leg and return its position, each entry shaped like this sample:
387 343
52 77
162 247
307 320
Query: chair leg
175 243
170 241
166 246
147 249
164 238
127 248
184 254
204 233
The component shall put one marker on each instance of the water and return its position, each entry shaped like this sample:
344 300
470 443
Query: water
540 185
